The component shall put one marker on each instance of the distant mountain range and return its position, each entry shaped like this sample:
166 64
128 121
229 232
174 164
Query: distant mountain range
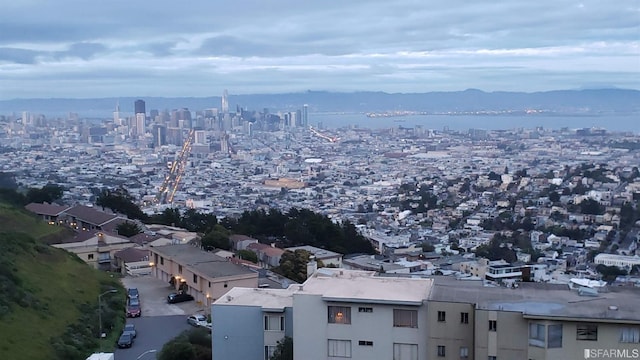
565 101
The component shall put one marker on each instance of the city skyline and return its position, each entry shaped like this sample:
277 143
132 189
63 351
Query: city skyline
69 49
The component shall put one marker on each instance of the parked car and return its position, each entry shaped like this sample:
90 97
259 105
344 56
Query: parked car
134 310
133 302
197 320
178 297
133 293
130 329
125 340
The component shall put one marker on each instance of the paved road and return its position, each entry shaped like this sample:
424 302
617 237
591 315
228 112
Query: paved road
153 333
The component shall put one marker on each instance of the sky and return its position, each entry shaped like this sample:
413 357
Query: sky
92 49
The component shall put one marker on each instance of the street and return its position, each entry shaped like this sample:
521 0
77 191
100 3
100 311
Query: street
153 333
160 321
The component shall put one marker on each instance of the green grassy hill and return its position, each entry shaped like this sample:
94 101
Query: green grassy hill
49 302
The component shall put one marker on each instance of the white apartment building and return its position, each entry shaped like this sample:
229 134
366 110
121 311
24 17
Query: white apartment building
620 261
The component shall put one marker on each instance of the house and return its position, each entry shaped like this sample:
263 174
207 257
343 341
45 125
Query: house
268 255
96 248
132 261
240 242
328 258
81 217
50 213
202 274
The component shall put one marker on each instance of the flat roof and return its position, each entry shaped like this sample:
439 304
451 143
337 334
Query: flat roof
316 251
542 299
364 286
267 299
206 263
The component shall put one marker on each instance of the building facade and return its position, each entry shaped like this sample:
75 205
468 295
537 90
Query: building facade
339 314
204 275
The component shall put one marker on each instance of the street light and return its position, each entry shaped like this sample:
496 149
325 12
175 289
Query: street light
145 353
100 309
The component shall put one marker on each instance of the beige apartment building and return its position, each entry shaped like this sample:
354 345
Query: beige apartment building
96 248
340 313
202 274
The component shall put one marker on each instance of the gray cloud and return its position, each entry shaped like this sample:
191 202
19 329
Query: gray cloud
287 45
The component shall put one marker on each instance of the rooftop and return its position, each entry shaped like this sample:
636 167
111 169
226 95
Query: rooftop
364 286
315 251
540 299
268 299
205 263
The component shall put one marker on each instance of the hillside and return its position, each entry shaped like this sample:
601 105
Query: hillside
48 308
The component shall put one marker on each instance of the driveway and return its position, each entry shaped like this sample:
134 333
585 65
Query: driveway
153 297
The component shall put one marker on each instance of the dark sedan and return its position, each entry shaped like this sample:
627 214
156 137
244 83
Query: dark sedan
125 340
174 298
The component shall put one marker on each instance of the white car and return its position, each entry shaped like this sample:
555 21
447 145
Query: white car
197 320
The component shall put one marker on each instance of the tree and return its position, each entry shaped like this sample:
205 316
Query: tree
248 255
47 194
177 349
592 207
284 350
218 238
120 201
128 229
610 273
554 197
293 265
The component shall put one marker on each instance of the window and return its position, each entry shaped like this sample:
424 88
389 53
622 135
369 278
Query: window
441 351
405 351
587 332
161 260
493 325
405 318
554 334
180 269
209 283
491 357
536 335
274 323
268 351
442 316
365 309
195 278
629 335
365 343
464 352
90 256
339 315
464 317
339 348
155 256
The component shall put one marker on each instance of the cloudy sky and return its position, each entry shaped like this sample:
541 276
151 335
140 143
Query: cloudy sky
80 48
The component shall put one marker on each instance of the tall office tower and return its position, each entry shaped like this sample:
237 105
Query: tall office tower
299 121
140 124
159 135
139 107
224 143
200 137
305 115
116 114
225 102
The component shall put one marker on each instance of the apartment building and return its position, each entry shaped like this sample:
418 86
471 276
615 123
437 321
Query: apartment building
204 275
340 313
96 248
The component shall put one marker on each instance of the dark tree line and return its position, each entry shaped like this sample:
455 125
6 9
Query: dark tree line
300 227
